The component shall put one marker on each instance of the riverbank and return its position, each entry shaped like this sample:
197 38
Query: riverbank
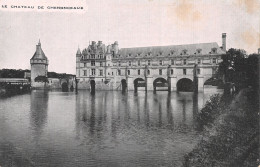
231 137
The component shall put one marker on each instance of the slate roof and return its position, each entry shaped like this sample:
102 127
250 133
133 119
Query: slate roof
171 50
39 54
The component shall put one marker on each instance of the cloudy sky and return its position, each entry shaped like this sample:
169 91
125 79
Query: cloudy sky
132 23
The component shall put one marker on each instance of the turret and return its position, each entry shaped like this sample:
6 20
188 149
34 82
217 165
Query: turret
78 56
115 47
39 64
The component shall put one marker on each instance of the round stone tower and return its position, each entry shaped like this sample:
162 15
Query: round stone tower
39 67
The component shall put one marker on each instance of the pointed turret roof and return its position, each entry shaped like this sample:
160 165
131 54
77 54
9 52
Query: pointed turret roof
39 54
78 51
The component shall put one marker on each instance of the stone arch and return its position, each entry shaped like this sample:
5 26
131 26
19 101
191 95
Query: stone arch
139 82
210 81
185 85
64 87
160 82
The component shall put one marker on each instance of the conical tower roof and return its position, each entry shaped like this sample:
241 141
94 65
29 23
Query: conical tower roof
78 52
39 54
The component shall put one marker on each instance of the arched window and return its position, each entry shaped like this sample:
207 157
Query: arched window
138 72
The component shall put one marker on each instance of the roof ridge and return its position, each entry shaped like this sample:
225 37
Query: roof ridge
170 45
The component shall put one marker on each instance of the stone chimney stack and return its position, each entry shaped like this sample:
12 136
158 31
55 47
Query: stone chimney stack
224 41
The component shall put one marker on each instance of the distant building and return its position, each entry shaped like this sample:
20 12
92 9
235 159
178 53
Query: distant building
110 68
39 67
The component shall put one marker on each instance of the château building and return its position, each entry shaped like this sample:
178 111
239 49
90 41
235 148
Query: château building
172 67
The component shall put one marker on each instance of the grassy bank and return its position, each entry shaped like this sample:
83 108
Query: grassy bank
231 132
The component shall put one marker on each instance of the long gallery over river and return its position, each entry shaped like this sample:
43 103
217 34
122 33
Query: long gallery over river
172 68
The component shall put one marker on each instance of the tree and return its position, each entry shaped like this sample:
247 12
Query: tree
234 60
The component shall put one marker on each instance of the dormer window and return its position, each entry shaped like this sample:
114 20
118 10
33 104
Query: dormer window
184 51
214 50
160 53
199 51
172 52
149 53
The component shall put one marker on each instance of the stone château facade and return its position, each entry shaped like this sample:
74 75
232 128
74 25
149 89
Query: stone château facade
103 67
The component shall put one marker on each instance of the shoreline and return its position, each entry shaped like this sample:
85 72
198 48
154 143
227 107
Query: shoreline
231 138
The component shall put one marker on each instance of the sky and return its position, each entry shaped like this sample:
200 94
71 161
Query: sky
130 22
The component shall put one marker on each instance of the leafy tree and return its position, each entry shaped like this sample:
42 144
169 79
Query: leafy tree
233 60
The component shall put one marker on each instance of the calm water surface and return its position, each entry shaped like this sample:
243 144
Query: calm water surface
107 129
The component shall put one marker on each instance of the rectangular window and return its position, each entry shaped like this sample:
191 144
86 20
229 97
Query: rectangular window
171 71
85 64
139 62
214 60
92 56
93 72
129 63
92 63
184 72
85 72
184 62
101 64
101 72
149 62
161 62
138 72
128 72
160 71
119 72
198 71
172 62
199 61
119 63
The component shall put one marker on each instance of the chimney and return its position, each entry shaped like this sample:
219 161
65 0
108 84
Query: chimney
224 41
99 43
93 43
258 50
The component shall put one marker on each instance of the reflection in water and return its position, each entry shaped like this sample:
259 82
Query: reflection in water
169 111
104 129
39 113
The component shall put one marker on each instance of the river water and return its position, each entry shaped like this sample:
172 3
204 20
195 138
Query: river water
53 128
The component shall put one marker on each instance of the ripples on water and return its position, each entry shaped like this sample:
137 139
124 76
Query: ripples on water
105 129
